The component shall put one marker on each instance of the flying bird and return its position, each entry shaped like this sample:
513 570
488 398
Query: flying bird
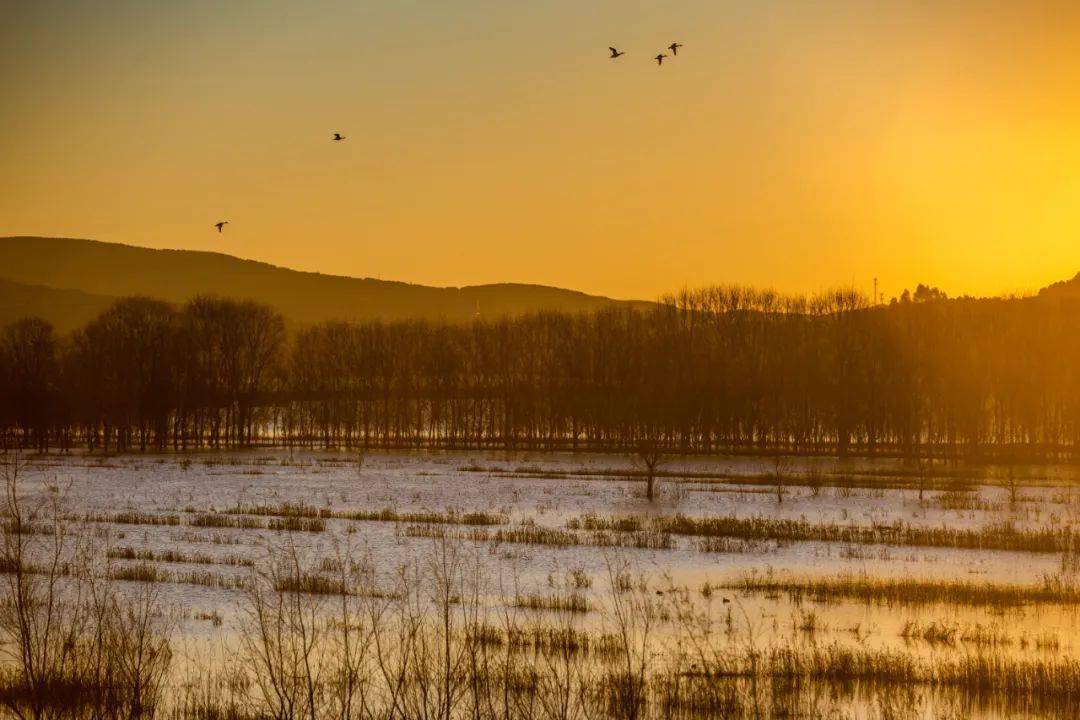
674 48
338 137
615 53
660 59
221 224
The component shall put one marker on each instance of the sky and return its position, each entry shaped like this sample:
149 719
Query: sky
794 144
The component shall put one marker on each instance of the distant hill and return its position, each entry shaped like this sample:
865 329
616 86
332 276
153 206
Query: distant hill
65 309
1063 290
102 271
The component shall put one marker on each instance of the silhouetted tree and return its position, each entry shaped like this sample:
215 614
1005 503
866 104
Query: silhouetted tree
650 455
721 368
28 374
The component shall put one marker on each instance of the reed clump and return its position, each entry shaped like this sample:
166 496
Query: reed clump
140 572
964 500
219 520
311 584
732 545
565 603
297 524
131 517
545 638
941 632
283 510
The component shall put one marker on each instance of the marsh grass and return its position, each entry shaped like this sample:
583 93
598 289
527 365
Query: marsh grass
314 643
726 489
146 572
1048 686
531 534
142 572
546 638
308 512
213 617
131 517
591 521
217 520
732 545
139 572
964 500
941 632
573 603
311 584
297 524
174 556
205 578
579 579
451 517
209 538
908 591
891 479
26 528
76 646
210 520
1001 536
299 510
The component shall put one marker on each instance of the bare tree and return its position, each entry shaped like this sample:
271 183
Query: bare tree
282 637
650 455
28 377
75 642
1010 482
922 475
781 466
634 615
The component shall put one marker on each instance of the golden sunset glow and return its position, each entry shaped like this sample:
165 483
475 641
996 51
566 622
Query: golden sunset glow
793 144
539 359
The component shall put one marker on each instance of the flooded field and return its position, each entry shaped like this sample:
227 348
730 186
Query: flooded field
751 587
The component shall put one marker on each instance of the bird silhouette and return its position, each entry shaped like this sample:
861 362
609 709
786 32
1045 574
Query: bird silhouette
338 137
221 224
615 53
660 59
674 48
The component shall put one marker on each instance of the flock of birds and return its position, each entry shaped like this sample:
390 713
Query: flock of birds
615 55
673 47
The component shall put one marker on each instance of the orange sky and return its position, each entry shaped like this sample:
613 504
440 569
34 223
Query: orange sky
793 143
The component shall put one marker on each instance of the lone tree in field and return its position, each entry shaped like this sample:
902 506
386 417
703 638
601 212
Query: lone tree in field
781 466
923 470
651 457
1010 482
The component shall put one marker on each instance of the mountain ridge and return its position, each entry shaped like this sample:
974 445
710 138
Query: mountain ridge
105 269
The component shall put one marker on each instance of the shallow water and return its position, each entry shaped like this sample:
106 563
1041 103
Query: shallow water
550 490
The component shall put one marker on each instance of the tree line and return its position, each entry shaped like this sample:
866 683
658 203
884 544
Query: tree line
718 369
